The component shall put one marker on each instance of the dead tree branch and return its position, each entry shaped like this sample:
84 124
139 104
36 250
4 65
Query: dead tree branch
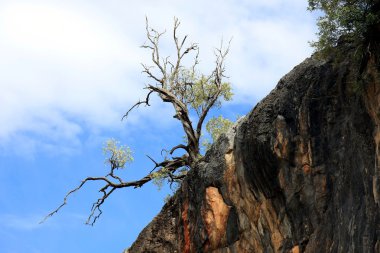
170 166
146 102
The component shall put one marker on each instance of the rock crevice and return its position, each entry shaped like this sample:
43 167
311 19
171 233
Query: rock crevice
299 173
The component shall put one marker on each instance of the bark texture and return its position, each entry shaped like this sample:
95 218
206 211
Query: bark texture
299 173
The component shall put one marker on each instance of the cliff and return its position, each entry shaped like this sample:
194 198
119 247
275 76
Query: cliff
299 173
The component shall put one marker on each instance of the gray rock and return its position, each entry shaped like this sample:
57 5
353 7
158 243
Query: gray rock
299 173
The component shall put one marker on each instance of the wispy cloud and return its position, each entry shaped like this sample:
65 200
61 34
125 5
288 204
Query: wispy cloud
72 68
24 223
32 222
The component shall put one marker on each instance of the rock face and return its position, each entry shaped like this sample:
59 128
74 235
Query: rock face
300 173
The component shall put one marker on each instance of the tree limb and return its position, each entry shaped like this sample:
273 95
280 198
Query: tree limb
218 74
146 102
170 166
178 147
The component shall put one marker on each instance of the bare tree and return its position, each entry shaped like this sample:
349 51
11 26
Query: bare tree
190 93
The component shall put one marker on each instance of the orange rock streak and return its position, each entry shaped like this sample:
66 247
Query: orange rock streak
215 214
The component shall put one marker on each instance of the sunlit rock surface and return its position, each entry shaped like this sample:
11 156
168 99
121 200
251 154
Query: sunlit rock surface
299 173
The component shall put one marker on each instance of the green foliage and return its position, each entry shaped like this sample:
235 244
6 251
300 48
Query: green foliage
215 127
159 177
345 19
117 155
195 90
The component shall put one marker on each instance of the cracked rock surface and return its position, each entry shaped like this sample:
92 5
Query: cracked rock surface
299 173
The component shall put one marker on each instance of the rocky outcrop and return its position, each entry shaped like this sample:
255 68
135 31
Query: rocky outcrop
299 173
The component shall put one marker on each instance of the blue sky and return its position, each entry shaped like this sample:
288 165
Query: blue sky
70 69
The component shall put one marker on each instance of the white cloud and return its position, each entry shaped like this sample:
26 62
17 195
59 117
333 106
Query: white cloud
19 222
66 69
30 222
59 33
60 71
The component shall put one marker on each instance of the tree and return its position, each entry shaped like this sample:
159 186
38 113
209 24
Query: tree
192 96
216 126
356 21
